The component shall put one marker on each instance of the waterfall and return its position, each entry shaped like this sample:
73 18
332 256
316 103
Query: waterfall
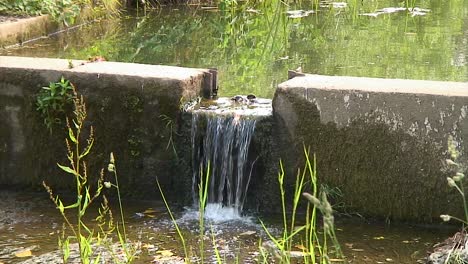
222 142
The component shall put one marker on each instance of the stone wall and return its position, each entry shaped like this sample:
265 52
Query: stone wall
129 106
382 142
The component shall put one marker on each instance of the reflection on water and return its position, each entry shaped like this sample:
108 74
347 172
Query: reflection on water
30 221
254 45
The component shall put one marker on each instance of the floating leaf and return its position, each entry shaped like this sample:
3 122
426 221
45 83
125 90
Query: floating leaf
247 233
150 211
299 13
165 253
379 238
148 246
349 245
23 254
301 247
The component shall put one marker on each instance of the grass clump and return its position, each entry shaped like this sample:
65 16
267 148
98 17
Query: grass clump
317 247
90 240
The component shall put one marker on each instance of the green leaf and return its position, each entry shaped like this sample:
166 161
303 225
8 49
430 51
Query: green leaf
60 206
88 148
71 206
68 170
71 135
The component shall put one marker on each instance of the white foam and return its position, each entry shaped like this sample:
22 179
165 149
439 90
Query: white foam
216 213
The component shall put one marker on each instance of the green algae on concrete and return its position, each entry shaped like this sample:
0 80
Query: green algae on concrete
381 142
125 103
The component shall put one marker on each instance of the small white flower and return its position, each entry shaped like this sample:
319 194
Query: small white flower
111 167
451 182
112 160
445 218
458 177
312 199
451 162
108 185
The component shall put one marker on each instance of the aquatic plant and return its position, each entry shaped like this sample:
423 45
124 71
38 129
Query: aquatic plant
179 232
202 200
82 232
315 249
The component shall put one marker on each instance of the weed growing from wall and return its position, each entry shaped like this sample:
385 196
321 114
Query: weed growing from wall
53 101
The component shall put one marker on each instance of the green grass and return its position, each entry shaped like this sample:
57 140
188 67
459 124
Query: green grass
82 232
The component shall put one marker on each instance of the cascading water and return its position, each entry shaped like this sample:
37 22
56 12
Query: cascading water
221 138
224 147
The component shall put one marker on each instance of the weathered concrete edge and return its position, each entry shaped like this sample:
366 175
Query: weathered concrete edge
111 68
379 85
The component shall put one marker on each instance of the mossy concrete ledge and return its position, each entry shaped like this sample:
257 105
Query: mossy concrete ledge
134 109
382 142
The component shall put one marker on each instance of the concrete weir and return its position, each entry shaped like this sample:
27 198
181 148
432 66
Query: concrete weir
128 104
382 142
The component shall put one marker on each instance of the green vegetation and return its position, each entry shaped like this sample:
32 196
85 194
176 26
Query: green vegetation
63 11
318 244
253 44
315 248
53 101
88 239
456 181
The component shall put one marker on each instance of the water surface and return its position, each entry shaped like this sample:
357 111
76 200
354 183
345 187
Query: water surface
30 221
254 45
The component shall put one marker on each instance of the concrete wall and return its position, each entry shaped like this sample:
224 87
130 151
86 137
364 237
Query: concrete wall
23 29
126 104
382 142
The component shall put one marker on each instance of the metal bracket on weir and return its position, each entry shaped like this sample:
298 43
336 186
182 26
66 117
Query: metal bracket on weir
210 84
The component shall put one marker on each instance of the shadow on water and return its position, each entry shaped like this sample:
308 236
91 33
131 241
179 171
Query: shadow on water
254 45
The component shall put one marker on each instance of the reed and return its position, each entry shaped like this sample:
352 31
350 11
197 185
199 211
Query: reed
313 244
87 238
